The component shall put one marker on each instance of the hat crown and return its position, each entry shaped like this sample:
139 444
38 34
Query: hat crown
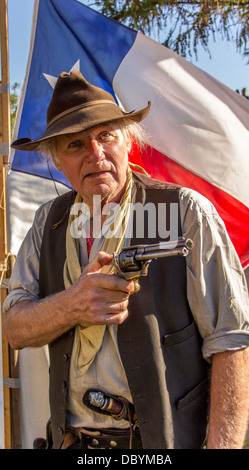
72 90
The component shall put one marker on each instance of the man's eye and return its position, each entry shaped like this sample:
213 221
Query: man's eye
74 144
105 136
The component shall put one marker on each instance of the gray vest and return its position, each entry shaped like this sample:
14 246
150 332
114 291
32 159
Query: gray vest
159 343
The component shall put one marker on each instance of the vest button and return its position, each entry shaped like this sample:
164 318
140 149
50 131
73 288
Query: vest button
65 357
63 384
60 430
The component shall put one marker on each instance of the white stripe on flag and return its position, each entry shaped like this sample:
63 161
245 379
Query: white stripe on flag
194 119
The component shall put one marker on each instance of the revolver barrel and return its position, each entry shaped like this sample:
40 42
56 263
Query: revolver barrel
180 247
133 261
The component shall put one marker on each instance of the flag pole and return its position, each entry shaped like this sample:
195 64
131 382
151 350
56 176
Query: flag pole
4 152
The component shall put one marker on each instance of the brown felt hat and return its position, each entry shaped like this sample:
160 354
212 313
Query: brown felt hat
76 106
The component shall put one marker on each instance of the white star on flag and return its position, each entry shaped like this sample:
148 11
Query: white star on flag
52 80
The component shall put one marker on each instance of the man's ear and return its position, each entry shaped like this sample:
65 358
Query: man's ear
129 141
129 146
56 164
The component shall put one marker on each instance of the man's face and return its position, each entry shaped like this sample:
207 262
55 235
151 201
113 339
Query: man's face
94 162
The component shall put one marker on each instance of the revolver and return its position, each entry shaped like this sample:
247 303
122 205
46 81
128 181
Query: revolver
133 261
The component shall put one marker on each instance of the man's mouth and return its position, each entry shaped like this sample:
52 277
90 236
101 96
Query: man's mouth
96 174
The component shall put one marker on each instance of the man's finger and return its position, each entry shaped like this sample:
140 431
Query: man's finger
100 260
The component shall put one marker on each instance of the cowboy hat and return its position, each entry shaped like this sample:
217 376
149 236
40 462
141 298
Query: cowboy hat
76 106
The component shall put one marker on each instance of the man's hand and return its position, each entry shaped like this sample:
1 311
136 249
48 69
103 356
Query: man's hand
97 298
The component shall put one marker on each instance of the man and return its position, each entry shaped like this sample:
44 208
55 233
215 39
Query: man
147 354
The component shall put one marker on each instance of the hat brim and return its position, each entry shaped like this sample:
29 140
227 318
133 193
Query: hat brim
79 121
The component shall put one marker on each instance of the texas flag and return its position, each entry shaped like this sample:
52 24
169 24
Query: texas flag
197 127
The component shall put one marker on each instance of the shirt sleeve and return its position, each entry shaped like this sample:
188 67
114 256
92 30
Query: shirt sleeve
216 286
24 280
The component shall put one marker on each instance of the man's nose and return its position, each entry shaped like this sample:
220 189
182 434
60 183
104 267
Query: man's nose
95 150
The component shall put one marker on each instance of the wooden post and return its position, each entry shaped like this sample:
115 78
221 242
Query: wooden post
4 151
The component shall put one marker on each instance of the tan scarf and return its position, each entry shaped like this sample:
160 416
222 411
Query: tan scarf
89 338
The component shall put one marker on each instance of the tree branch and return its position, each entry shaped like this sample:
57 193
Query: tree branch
185 23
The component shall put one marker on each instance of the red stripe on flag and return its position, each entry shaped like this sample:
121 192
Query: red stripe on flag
234 214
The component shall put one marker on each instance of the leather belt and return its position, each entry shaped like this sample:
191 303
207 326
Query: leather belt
111 438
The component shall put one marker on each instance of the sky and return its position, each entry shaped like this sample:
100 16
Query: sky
226 64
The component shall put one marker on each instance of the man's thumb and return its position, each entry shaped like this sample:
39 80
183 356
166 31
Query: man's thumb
100 260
